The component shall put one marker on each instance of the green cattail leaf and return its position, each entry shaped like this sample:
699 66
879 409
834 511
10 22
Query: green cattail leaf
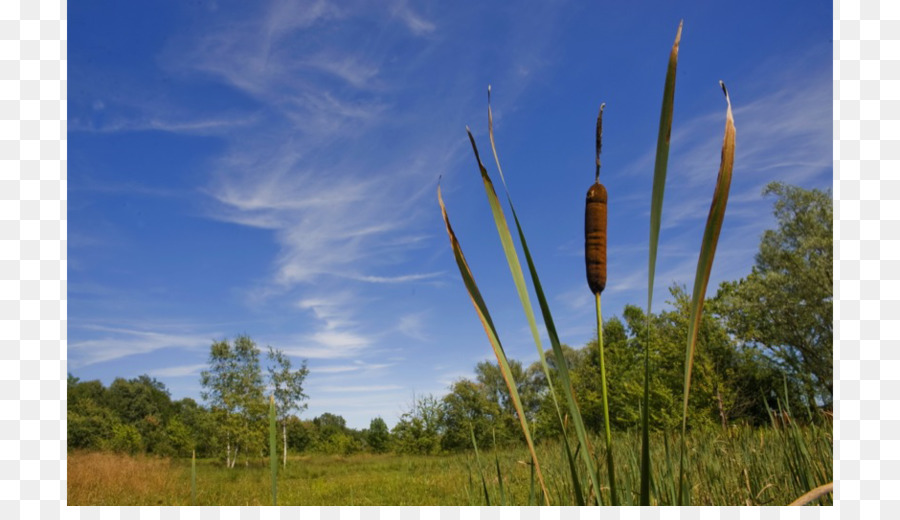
705 262
563 370
512 258
491 331
656 202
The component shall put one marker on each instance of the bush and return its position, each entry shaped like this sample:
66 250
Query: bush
125 439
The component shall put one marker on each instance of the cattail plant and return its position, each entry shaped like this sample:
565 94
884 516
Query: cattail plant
595 263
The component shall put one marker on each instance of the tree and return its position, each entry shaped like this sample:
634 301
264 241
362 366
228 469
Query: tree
378 436
418 430
334 436
233 386
288 389
301 434
145 404
89 425
467 410
488 374
785 304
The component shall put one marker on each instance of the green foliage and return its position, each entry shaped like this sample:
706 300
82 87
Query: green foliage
418 431
785 304
233 386
179 438
138 398
302 435
89 425
78 391
330 424
378 436
467 409
341 443
125 439
287 386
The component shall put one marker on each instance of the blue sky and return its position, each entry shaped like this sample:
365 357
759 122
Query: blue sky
270 169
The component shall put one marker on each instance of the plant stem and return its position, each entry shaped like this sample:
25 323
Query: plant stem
273 457
645 425
609 453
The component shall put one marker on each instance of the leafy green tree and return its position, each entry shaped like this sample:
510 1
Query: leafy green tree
527 381
785 305
341 443
89 425
546 419
302 435
233 386
288 389
125 439
418 430
179 440
623 372
330 424
135 399
79 391
466 409
334 437
144 403
201 425
378 436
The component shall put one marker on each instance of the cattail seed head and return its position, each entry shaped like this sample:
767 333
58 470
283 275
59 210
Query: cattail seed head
595 237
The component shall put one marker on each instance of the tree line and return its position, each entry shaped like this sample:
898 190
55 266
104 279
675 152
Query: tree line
765 341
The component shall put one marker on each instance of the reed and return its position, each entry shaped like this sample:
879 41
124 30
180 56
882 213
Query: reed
583 473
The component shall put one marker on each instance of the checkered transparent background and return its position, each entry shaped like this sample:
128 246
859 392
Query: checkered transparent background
33 274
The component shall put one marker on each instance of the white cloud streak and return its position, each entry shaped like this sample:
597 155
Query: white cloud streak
114 343
178 371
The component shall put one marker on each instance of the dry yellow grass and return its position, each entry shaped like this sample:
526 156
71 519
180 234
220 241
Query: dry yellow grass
114 479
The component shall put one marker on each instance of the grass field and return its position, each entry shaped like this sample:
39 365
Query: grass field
743 467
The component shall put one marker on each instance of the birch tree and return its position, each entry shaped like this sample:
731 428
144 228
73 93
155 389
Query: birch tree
233 386
287 385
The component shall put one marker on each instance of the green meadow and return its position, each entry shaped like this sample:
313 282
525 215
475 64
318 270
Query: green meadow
744 466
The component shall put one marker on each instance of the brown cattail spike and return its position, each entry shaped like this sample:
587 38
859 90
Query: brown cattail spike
595 237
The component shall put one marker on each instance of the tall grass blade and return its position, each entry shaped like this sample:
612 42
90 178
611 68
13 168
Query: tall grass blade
499 473
487 496
704 266
531 498
656 202
491 331
563 369
193 477
273 458
573 472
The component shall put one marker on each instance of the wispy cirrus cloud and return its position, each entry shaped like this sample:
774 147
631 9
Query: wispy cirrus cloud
178 371
333 131
360 388
111 343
